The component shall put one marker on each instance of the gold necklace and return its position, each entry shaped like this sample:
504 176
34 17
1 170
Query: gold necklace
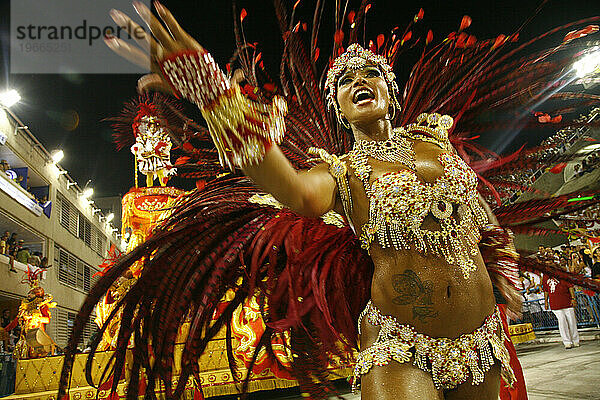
396 149
393 150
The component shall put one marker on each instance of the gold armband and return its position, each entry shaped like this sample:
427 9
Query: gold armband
242 130
339 170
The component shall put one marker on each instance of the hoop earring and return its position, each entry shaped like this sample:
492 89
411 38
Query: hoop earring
343 122
391 118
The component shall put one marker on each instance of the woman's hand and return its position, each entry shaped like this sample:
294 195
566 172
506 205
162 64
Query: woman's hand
161 43
310 193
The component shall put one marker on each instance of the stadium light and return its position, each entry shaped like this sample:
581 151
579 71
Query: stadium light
9 98
57 156
588 64
56 171
87 193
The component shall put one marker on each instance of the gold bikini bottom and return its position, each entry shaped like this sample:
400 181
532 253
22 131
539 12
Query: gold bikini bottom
450 361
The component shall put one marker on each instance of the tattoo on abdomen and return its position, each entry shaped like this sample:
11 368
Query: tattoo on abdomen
413 291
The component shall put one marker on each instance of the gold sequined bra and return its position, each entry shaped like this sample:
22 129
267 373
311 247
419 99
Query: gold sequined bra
400 202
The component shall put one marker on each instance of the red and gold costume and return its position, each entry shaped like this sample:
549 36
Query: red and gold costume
311 279
33 316
143 126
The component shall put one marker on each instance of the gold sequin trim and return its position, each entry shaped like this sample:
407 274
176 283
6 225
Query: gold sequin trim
399 203
330 217
339 171
450 361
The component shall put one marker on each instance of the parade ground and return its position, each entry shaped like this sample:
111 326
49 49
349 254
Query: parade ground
551 371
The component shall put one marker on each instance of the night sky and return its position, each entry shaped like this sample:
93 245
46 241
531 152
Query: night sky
51 101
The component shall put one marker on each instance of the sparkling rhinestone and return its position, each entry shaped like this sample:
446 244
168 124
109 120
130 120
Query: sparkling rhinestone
446 122
433 118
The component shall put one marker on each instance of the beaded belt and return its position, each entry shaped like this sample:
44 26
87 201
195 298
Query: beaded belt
450 361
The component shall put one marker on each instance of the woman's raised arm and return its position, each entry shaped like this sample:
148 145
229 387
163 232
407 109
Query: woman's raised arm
245 133
311 193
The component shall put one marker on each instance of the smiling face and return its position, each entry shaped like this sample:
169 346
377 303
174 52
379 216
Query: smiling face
363 95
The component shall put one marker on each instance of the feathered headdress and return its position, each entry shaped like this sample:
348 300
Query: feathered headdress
32 278
125 125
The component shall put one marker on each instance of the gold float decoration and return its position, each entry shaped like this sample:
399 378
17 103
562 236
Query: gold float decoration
33 316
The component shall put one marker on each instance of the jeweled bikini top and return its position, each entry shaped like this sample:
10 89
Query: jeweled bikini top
400 202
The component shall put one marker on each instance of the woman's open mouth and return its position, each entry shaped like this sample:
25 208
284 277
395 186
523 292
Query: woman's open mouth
363 96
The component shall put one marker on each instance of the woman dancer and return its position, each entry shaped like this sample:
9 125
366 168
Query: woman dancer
430 329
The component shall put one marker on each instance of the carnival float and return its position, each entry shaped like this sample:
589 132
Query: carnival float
145 126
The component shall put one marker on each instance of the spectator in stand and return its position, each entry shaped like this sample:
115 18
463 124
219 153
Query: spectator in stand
576 264
541 252
596 266
556 255
20 244
6 319
4 166
14 249
585 256
7 340
544 253
23 255
4 243
587 272
560 296
12 241
577 170
44 263
549 255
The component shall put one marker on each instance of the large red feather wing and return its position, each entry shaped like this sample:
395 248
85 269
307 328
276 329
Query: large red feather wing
311 278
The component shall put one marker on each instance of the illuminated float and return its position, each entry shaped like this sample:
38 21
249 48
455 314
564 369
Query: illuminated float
32 318
150 139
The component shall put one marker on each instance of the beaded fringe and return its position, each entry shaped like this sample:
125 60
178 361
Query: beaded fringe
243 129
450 361
456 242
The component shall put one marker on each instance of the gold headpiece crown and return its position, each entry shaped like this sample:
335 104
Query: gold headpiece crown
434 125
355 58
